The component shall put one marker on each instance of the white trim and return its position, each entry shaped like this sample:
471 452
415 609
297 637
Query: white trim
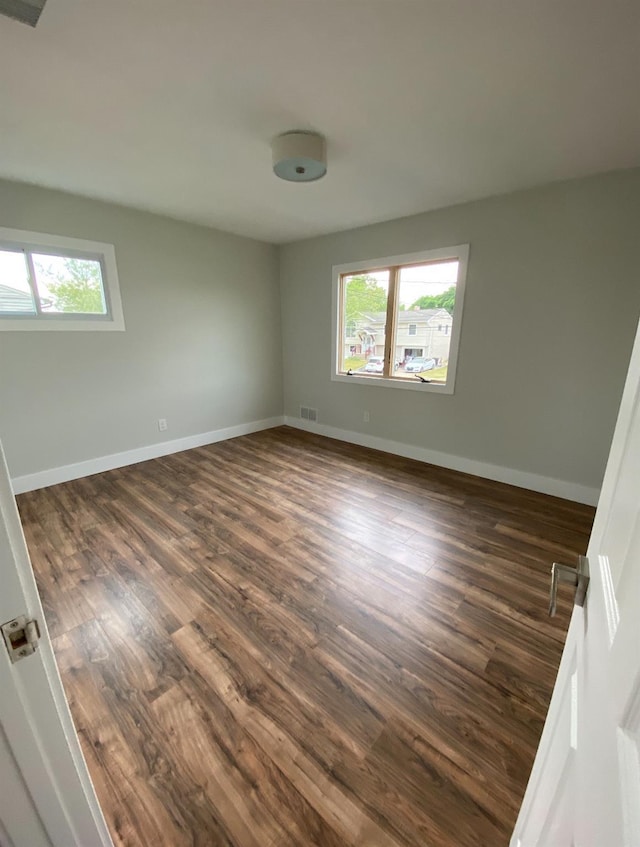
511 476
34 712
628 404
459 252
105 253
380 381
64 473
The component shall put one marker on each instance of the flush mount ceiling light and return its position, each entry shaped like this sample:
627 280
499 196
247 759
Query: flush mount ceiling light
25 11
299 156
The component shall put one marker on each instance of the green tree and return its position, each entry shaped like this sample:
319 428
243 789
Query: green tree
363 295
446 300
76 287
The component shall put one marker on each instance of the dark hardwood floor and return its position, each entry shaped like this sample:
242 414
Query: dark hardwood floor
286 640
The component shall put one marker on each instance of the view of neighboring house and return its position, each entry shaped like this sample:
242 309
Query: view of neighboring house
14 300
420 332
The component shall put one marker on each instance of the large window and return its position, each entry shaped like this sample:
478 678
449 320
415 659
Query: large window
397 320
51 282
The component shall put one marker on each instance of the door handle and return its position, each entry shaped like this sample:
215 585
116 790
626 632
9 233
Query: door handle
578 577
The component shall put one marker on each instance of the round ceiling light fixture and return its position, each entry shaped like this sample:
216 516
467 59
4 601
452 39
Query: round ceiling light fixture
299 156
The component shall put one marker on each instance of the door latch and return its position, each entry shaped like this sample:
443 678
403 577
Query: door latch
21 635
578 577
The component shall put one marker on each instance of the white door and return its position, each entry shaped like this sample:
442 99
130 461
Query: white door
46 795
584 789
19 820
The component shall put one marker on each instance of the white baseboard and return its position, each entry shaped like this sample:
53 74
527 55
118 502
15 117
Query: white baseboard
53 476
521 479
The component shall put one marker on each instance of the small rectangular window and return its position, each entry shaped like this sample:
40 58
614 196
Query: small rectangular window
398 319
51 282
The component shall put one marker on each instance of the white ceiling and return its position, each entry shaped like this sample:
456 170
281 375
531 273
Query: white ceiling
170 105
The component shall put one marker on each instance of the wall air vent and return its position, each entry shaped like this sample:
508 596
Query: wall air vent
308 414
25 11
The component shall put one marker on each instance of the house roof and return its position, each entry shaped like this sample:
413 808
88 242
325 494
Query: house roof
14 300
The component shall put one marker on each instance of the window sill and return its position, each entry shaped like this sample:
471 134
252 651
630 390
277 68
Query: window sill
60 324
388 382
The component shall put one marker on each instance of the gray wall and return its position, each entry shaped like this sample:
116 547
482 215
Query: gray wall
202 346
551 308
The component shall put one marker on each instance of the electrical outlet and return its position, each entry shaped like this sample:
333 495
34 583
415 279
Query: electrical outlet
365 417
162 424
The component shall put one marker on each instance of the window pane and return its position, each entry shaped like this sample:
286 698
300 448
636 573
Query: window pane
15 292
426 297
69 285
364 303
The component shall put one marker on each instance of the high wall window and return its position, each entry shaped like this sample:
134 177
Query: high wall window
52 282
397 320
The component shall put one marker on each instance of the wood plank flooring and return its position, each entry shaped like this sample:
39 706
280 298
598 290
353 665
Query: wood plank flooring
286 640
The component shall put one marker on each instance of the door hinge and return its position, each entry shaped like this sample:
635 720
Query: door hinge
21 635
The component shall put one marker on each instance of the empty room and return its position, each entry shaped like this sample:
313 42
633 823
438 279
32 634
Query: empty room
319 423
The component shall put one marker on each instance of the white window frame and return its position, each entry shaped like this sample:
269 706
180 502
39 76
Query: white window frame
78 248
459 253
